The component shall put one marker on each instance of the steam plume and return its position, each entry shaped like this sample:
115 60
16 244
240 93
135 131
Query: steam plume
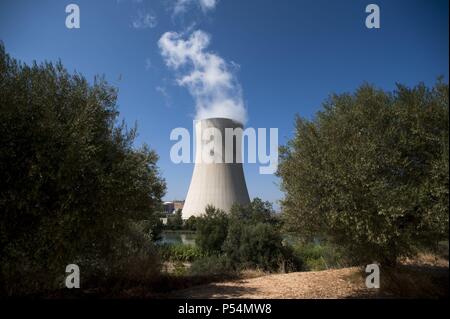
206 75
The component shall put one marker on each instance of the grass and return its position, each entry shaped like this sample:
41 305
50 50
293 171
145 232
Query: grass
179 253
317 256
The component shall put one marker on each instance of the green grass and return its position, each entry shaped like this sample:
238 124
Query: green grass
318 256
180 252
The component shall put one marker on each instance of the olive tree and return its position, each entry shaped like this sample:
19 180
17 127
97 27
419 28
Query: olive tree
72 184
370 171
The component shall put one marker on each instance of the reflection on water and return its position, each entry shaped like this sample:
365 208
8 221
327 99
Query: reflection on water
185 238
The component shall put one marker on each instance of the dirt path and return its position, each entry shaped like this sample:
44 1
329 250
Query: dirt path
336 283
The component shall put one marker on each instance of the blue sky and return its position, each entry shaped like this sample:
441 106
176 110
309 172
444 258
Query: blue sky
286 56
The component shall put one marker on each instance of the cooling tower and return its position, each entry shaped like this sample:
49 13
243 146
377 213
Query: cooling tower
219 182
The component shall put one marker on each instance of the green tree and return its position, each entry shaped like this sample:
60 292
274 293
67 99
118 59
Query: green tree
71 180
257 211
175 222
212 229
254 238
191 223
370 172
154 226
254 245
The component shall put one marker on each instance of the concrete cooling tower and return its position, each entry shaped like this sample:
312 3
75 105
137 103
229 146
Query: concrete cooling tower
219 182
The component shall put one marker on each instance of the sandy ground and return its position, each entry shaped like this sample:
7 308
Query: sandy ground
336 283
425 276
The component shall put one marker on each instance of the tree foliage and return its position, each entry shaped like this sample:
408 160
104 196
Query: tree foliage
71 179
191 223
254 239
248 237
257 211
175 222
254 245
212 228
370 171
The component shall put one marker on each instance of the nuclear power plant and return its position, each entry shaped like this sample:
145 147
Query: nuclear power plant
218 181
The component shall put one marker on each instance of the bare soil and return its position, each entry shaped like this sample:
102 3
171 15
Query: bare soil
336 283
424 278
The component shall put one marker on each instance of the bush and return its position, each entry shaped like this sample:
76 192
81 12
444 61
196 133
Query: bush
249 237
254 239
71 180
318 256
180 252
135 260
212 229
175 222
370 172
256 246
212 266
190 224
255 212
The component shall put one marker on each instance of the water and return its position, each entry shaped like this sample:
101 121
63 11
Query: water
179 237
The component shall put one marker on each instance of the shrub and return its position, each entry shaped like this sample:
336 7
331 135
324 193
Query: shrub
179 269
257 245
175 222
318 256
71 180
212 266
212 229
180 252
191 224
249 237
135 259
254 239
370 172
257 211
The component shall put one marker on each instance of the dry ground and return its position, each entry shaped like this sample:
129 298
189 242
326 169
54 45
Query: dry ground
426 278
336 283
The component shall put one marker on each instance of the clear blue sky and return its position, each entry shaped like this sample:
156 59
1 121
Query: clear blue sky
291 54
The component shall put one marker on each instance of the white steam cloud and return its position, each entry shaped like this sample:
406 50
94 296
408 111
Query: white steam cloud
182 5
206 75
144 21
